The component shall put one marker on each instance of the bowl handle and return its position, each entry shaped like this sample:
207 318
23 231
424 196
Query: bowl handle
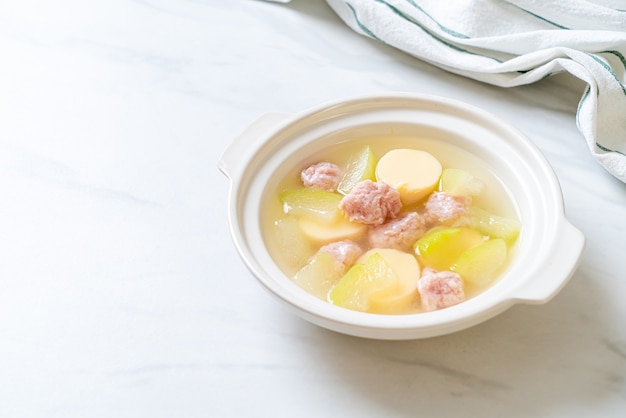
245 142
561 263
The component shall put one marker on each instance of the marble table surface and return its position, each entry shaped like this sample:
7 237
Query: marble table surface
121 293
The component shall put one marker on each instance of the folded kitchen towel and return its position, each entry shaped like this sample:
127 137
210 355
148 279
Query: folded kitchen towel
509 43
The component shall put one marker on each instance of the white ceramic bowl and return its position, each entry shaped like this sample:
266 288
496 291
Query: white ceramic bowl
548 249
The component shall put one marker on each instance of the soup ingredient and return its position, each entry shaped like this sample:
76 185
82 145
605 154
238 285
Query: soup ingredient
439 289
459 182
400 298
441 246
414 173
345 253
326 267
319 275
427 244
489 224
291 243
371 203
323 175
445 208
361 166
362 280
323 232
314 203
399 233
479 265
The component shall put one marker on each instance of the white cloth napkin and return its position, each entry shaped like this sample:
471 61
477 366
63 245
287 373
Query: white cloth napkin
514 42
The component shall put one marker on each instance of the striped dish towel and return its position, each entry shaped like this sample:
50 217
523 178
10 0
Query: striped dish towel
509 43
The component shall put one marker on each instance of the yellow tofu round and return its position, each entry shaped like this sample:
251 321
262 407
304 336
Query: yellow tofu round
413 173
402 297
321 232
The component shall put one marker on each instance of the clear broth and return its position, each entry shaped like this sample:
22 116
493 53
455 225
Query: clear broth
495 197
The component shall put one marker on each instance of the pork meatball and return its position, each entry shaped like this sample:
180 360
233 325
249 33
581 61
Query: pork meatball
344 252
371 203
439 289
446 208
399 233
323 175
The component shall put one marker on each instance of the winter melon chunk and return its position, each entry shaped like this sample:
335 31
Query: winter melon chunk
479 265
459 182
441 246
361 166
362 280
313 203
319 275
493 225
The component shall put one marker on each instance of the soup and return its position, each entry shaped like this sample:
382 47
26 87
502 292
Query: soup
391 225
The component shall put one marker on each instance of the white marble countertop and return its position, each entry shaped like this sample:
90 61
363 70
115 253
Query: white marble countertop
121 293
